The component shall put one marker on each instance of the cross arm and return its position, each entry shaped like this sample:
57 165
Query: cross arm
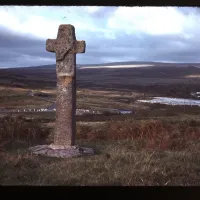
80 46
51 45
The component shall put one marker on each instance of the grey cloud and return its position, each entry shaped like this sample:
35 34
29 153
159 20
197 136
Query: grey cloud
9 38
189 10
104 12
15 47
26 50
148 48
6 55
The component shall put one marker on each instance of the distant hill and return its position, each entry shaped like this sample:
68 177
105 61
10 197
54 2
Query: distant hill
153 75
53 66
127 63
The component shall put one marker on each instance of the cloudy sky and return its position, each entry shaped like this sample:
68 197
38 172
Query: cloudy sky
112 34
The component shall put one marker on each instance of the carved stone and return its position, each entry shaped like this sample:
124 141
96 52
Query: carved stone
66 47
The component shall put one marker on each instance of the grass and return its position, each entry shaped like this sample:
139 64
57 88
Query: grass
129 152
15 98
158 145
131 149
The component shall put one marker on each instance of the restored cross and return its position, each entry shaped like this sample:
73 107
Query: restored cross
65 47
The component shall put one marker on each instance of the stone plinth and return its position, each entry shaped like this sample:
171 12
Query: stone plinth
61 151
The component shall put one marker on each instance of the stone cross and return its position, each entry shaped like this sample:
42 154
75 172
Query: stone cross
65 47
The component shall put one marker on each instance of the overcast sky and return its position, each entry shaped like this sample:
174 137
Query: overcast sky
112 34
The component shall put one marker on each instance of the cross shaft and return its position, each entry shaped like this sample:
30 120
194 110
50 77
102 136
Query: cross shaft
65 47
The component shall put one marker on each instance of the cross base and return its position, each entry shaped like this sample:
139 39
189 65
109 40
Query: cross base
61 151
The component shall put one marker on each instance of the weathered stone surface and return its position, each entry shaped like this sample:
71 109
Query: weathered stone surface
65 43
61 151
65 47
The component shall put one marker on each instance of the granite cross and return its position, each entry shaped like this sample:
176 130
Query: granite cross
65 47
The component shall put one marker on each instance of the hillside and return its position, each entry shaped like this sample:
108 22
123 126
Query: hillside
160 78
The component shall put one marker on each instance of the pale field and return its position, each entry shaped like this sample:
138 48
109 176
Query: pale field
193 76
116 66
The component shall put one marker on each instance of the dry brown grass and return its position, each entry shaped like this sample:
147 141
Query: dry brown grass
129 152
20 129
151 134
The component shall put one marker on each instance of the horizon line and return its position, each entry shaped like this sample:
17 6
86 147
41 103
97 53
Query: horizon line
120 62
